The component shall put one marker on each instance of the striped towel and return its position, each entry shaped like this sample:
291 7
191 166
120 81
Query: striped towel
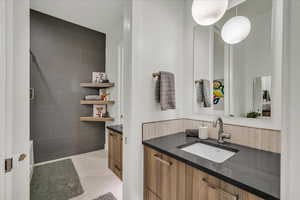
165 91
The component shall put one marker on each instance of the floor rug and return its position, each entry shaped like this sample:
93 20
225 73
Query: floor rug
55 181
108 196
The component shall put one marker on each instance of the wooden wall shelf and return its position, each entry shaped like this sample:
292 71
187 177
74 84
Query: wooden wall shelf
97 85
95 102
96 119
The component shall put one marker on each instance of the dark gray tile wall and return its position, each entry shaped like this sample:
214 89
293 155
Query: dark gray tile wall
65 54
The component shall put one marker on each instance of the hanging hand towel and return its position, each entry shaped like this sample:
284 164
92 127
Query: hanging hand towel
165 91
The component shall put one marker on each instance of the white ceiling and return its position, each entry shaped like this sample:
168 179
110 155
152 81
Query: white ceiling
100 15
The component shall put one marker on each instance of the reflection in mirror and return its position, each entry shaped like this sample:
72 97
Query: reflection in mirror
202 69
218 68
239 76
262 96
250 59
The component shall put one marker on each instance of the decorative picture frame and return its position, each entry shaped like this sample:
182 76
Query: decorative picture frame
99 111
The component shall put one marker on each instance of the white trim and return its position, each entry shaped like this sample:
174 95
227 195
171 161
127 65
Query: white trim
8 92
17 97
285 105
120 112
2 97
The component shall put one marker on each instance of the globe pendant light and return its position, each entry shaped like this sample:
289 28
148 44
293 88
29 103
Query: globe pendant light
208 12
236 29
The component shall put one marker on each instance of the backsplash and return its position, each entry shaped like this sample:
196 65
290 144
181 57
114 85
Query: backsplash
258 138
162 128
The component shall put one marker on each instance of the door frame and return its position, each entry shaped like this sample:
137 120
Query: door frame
14 65
2 97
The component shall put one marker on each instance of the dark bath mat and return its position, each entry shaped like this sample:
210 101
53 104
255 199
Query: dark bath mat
108 196
55 181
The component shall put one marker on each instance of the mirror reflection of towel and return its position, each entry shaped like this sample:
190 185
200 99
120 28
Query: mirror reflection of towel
203 93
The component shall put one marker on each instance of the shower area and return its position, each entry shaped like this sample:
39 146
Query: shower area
62 55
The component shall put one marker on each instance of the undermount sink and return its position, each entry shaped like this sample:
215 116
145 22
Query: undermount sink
213 153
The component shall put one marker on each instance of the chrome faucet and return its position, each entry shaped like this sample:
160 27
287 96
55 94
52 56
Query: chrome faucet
221 134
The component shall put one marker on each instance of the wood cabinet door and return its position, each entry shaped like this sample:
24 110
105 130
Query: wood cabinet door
117 144
152 171
115 157
111 153
164 176
172 178
201 186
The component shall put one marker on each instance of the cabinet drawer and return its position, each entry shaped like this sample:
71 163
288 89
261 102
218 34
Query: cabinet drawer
164 176
229 192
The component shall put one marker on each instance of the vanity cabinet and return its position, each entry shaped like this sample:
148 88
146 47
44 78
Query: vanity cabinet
200 185
115 153
166 178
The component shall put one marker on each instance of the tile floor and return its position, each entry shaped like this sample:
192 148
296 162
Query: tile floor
95 177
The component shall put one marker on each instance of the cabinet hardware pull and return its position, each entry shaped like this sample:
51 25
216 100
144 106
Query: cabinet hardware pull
234 196
162 161
209 185
111 134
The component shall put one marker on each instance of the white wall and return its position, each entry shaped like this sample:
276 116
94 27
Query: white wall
157 41
18 99
100 15
105 16
291 161
188 72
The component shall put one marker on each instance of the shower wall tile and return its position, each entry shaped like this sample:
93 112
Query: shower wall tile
65 54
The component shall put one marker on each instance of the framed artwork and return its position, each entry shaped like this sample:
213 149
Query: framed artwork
99 110
99 77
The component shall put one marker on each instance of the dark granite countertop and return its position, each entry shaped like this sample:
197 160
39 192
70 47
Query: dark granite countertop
116 128
255 171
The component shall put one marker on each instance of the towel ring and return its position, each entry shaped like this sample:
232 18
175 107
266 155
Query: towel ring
156 74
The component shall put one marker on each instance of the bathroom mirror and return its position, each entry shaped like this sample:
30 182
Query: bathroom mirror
236 79
218 70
